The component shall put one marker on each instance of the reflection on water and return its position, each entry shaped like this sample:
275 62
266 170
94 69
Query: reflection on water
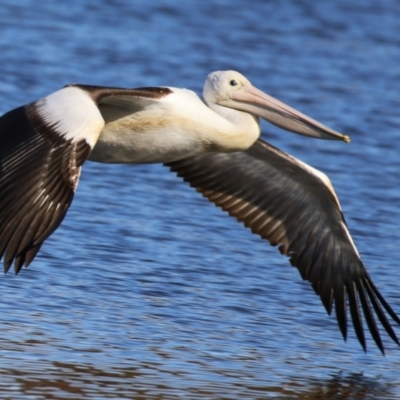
147 291
151 381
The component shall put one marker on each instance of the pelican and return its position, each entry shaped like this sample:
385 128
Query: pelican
213 144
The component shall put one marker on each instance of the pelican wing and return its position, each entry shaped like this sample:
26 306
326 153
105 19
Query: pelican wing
295 207
39 172
42 148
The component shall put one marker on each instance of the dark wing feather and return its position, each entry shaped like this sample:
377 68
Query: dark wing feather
287 203
39 172
40 168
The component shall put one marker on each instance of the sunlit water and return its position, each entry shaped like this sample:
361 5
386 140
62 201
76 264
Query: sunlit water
147 291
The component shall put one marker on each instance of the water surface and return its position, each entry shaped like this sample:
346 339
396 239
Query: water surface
147 290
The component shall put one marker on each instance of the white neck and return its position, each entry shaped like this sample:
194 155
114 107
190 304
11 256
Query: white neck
239 130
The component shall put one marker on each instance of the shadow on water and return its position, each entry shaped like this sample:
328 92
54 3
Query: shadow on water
60 380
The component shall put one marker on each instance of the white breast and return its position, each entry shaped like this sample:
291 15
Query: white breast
162 130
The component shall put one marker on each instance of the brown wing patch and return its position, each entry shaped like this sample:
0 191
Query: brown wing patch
99 92
39 172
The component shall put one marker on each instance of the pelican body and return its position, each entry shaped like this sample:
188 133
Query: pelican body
213 144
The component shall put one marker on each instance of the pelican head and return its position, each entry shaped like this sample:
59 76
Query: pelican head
232 90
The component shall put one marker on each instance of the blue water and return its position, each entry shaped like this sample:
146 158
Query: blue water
147 291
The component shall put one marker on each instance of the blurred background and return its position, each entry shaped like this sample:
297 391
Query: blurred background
147 291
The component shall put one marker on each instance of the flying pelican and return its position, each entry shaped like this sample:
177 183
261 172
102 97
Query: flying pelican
212 144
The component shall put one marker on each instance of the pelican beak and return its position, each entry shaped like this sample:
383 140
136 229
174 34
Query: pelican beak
256 102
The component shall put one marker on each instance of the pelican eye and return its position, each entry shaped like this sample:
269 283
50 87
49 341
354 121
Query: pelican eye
233 82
